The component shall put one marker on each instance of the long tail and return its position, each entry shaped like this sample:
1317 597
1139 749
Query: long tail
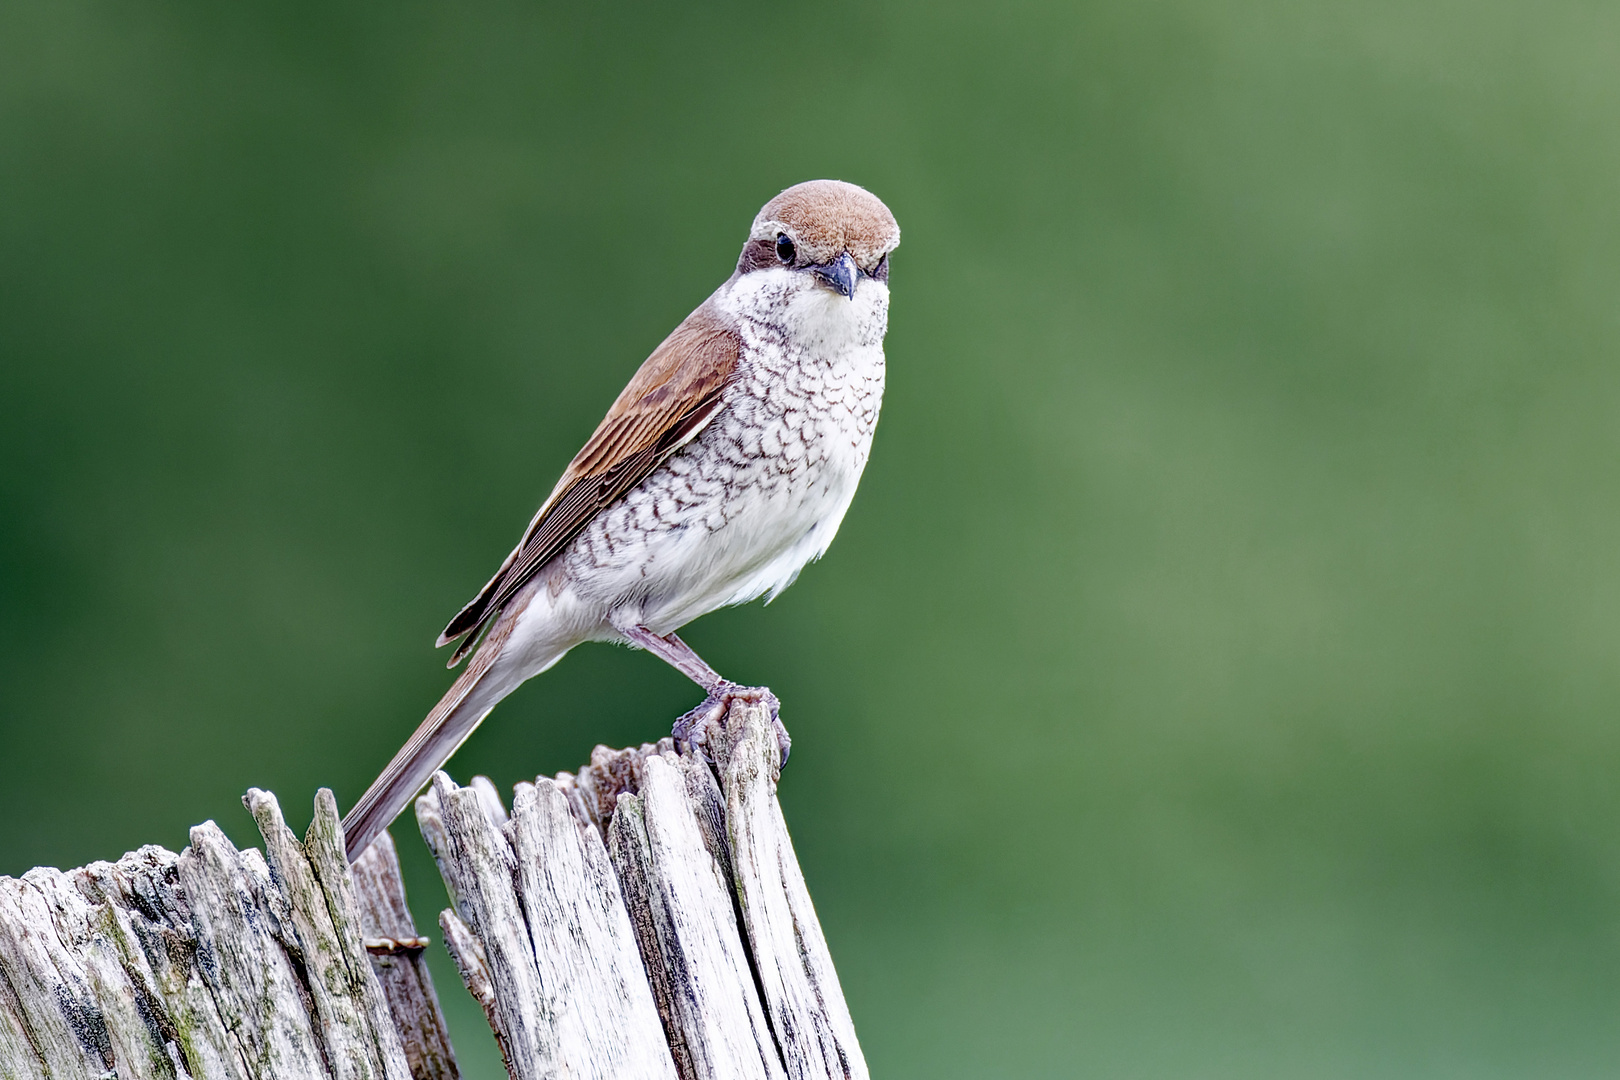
438 736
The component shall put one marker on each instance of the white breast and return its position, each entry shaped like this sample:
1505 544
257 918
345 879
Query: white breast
740 510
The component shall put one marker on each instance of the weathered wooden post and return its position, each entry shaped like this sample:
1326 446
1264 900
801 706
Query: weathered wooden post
210 963
645 917
396 958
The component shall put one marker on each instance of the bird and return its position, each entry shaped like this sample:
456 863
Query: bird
723 468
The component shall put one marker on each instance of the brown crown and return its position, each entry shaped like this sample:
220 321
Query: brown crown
829 217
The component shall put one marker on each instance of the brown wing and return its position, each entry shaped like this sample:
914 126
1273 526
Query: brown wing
670 398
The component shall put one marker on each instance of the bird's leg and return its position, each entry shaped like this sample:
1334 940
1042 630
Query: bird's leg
718 693
676 653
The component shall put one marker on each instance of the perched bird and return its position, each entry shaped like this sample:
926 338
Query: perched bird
722 469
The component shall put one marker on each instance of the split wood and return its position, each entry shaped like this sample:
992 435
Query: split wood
643 918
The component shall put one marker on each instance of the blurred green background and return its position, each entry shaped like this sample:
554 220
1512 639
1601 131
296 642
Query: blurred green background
1217 673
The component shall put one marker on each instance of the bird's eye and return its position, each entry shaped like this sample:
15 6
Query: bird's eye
784 248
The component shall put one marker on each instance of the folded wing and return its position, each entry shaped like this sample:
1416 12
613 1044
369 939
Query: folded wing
674 394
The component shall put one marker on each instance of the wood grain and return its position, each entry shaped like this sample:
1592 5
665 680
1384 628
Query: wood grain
685 945
402 972
212 963
643 919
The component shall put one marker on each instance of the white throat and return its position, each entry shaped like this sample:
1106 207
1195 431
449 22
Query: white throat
806 314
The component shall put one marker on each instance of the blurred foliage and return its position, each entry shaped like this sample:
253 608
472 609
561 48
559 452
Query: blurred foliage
1216 675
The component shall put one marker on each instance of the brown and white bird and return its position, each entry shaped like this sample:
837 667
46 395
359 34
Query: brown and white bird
722 469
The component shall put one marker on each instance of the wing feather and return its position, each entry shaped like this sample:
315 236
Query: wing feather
671 397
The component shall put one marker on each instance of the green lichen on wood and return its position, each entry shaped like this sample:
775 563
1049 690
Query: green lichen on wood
214 964
343 990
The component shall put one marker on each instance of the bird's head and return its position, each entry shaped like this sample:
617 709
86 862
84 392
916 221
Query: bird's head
828 234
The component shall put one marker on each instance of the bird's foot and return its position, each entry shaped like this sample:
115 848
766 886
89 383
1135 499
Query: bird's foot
691 730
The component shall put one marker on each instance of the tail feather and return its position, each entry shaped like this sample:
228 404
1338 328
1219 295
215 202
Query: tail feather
438 736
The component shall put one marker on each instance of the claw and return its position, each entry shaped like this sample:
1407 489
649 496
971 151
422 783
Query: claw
691 729
784 741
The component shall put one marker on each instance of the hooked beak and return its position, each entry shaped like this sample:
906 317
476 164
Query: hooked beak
839 275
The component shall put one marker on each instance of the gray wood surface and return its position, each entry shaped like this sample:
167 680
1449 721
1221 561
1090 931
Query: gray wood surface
213 963
791 959
645 917
397 958
687 927
556 964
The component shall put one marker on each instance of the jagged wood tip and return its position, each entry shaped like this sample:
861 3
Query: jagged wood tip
644 917
213 963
